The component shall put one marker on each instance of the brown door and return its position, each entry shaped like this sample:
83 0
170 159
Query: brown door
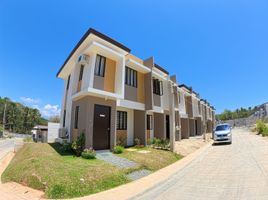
101 127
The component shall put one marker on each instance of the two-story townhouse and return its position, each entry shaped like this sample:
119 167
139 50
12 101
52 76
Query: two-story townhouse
111 95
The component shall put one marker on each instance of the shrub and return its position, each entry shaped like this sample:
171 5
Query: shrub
88 154
260 126
137 141
28 139
265 131
79 144
66 146
118 149
161 143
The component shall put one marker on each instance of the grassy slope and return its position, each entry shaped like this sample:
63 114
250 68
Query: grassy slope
41 167
154 160
58 173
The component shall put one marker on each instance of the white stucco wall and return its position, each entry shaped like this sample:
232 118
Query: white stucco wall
52 131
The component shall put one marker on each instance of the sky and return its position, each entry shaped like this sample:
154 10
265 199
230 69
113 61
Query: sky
220 48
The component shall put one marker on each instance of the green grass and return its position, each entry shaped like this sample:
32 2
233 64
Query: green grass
57 172
154 160
49 168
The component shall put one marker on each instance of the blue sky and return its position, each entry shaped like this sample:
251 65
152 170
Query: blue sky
220 48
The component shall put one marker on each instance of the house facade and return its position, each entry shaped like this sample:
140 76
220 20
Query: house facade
114 97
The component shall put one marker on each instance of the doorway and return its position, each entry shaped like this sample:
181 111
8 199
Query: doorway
101 127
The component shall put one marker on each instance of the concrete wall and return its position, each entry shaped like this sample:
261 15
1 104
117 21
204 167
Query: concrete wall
192 127
52 131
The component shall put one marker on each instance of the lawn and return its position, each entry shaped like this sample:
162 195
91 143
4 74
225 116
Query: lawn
40 166
152 159
60 174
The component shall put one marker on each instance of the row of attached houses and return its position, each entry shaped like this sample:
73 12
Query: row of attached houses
114 97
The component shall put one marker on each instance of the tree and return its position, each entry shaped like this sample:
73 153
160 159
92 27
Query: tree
55 119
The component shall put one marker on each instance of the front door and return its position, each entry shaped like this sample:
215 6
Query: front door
101 127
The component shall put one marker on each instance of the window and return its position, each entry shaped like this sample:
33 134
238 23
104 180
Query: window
100 65
131 77
68 82
149 122
121 120
64 115
81 72
76 117
157 87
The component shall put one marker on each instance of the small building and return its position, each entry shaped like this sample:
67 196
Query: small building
46 134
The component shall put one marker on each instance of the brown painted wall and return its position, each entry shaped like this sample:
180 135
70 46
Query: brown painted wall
131 93
157 100
189 106
140 97
86 116
192 127
98 82
148 84
185 132
140 126
159 125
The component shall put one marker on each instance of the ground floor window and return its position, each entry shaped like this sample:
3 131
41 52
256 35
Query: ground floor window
149 122
121 120
76 117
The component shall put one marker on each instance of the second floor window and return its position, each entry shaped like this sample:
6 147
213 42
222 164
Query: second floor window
100 65
81 72
121 120
68 82
131 77
157 87
76 117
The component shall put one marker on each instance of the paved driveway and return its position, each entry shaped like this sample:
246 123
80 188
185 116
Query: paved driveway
237 171
6 146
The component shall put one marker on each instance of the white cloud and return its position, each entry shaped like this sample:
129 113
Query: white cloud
46 111
49 110
29 100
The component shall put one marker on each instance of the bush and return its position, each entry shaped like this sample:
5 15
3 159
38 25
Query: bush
28 139
79 144
88 154
262 128
66 146
137 141
118 149
160 143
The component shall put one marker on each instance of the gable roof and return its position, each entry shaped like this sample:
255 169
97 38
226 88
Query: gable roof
100 35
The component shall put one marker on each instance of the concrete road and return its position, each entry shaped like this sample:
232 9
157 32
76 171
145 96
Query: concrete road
6 146
237 171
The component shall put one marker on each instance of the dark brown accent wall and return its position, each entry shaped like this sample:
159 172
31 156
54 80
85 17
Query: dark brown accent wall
192 127
131 93
86 116
185 132
189 106
148 84
157 100
159 126
98 82
140 126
